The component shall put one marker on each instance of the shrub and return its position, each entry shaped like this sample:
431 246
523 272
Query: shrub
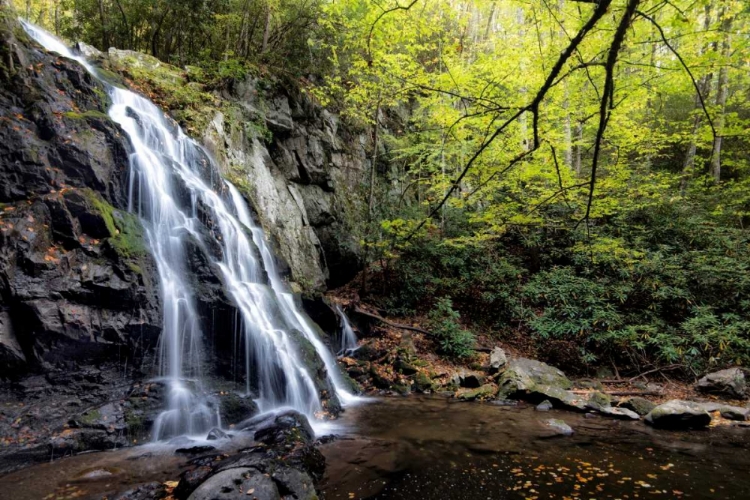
454 340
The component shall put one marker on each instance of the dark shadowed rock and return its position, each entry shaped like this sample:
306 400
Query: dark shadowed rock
735 413
282 427
559 427
235 408
293 483
729 383
676 414
148 491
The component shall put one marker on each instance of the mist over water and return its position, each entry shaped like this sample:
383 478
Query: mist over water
176 191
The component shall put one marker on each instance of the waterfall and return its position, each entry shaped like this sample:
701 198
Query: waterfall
348 341
170 193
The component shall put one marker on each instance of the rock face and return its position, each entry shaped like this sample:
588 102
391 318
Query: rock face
300 170
676 414
729 383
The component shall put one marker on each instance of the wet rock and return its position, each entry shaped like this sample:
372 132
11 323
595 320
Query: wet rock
237 484
12 357
676 414
559 426
735 413
293 483
194 450
190 480
281 428
235 408
498 360
544 406
148 491
729 383
216 434
484 392
641 406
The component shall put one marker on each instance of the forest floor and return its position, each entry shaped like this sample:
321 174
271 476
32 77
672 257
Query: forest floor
399 355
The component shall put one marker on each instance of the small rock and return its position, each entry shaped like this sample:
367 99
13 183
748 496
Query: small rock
216 433
735 413
676 414
498 360
544 406
619 412
729 383
598 401
559 426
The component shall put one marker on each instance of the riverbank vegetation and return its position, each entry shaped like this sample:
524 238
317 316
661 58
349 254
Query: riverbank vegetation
574 172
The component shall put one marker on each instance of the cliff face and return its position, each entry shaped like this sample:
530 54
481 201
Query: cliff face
80 312
302 177
79 305
300 169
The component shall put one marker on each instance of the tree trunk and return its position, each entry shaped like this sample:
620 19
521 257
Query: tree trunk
266 30
722 91
103 19
704 86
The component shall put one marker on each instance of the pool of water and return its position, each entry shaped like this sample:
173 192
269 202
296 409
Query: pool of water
437 448
427 448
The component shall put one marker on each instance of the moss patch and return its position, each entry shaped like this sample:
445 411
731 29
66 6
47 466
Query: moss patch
85 115
126 234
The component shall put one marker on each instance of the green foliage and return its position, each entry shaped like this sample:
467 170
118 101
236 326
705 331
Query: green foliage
444 322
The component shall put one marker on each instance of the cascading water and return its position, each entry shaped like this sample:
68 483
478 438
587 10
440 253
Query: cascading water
169 192
348 341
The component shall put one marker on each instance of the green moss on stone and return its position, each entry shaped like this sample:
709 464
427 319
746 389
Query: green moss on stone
85 115
126 233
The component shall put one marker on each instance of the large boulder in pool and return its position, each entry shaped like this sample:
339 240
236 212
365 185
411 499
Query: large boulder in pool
280 428
535 381
729 383
676 414
237 484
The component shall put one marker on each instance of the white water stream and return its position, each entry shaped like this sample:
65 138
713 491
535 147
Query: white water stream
170 193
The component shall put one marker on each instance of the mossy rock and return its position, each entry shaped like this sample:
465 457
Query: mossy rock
486 391
598 401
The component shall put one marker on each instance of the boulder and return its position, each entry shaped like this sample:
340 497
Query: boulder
498 360
280 428
641 406
729 383
237 484
524 376
235 408
676 414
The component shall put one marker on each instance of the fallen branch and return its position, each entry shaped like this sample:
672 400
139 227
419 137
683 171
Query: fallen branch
390 323
621 393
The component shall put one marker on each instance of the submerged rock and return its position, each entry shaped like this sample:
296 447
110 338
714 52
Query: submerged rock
559 426
729 383
676 414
